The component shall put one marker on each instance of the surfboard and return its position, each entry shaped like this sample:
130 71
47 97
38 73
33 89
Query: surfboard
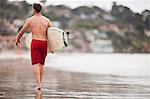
57 39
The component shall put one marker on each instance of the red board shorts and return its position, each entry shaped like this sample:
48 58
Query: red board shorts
38 51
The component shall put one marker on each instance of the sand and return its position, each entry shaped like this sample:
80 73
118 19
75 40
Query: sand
17 82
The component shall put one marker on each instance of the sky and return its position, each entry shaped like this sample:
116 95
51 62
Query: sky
135 5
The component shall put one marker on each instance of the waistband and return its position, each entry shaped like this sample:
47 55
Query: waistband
39 40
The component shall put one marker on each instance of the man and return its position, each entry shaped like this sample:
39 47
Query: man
38 25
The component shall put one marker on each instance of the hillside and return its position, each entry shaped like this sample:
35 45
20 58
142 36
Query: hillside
93 28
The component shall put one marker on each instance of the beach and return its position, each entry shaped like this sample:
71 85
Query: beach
17 82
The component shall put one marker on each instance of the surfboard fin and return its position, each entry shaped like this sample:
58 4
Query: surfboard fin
65 43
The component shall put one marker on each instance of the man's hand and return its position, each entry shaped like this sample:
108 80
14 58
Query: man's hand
20 34
51 51
17 42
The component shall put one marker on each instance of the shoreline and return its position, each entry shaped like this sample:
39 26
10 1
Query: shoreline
129 65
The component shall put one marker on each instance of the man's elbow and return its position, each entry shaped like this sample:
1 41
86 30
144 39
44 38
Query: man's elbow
50 25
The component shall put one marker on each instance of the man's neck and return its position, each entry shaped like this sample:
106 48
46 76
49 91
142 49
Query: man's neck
37 14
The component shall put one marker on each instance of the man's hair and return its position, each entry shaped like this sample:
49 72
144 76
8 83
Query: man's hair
37 7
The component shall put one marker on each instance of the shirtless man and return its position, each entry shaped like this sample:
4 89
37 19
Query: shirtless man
38 25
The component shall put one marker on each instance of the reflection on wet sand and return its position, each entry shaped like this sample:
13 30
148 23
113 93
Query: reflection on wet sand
38 94
16 82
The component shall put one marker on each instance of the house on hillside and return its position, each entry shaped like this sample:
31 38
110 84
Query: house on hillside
99 41
102 46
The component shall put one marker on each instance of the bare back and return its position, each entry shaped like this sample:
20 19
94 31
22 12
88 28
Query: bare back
39 25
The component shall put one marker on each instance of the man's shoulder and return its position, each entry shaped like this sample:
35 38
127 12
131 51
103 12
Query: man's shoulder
46 18
29 19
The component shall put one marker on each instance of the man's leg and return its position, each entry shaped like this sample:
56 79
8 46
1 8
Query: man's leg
41 72
37 75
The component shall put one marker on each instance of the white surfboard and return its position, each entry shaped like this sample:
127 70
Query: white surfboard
57 39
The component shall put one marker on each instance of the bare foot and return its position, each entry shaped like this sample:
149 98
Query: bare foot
37 88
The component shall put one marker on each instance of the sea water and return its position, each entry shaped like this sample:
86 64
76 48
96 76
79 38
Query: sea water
114 64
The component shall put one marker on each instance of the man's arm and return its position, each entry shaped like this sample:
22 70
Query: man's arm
21 32
49 23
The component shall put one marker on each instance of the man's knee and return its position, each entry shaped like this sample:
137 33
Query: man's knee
36 66
41 65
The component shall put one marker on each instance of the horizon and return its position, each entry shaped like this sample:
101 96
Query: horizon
139 7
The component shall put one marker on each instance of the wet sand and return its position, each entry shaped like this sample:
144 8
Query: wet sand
17 82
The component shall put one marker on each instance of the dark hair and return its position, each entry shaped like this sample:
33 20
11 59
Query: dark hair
37 7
